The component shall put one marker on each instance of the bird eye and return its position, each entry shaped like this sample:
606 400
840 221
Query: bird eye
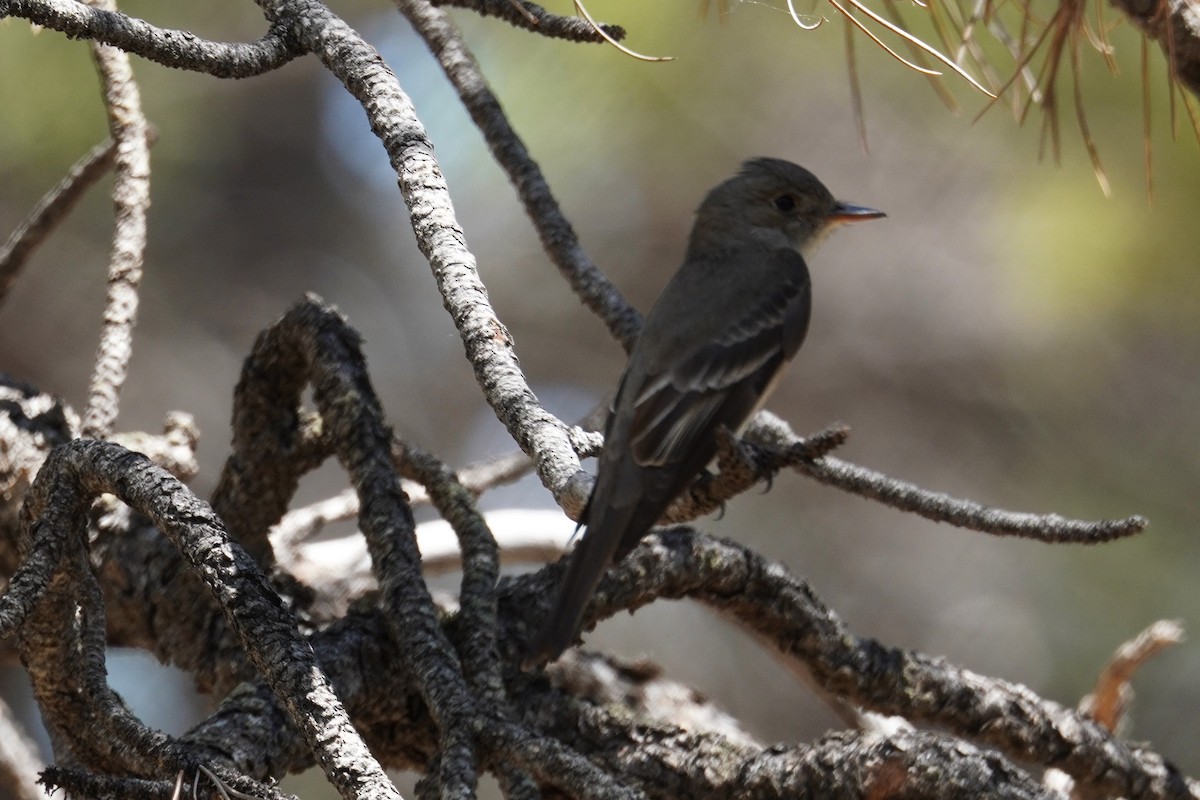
785 203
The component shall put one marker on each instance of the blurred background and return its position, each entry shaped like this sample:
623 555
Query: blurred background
1006 334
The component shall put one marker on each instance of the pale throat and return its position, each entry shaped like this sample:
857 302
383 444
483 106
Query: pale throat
808 247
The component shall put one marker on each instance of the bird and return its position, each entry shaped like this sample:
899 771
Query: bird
709 353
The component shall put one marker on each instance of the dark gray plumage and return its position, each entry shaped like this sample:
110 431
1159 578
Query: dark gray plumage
709 353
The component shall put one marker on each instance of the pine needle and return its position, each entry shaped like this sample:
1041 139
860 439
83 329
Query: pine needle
903 34
583 12
856 103
1147 147
850 18
1088 142
918 56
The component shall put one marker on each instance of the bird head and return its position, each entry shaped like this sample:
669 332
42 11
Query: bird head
778 202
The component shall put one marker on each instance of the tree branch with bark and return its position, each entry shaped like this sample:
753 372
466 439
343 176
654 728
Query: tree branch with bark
106 545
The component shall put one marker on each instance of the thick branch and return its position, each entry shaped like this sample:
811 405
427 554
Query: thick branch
764 596
488 344
76 473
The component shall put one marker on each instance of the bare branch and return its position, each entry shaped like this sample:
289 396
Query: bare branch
761 594
771 430
557 235
73 475
532 17
1113 694
52 209
489 346
171 48
131 199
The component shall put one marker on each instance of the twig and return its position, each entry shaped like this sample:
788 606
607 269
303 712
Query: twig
770 430
54 206
1113 694
131 199
532 17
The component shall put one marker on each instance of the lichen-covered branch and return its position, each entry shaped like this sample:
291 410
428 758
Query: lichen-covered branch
50 210
535 19
56 510
131 200
555 231
171 48
771 430
763 596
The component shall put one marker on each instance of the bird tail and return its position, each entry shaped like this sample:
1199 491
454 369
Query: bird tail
588 561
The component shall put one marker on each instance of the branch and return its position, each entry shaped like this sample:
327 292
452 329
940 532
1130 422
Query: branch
52 209
532 17
131 199
489 346
761 594
771 430
71 478
556 233
171 48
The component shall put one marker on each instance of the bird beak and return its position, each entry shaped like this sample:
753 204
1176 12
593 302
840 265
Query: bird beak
848 212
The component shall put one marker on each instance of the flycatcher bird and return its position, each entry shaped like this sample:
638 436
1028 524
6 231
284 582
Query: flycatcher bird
710 351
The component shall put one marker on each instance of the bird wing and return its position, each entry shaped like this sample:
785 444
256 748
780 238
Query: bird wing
725 379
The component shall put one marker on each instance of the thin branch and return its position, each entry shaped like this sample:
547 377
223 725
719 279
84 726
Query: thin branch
741 465
489 347
532 17
1111 698
54 206
131 199
477 617
770 430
